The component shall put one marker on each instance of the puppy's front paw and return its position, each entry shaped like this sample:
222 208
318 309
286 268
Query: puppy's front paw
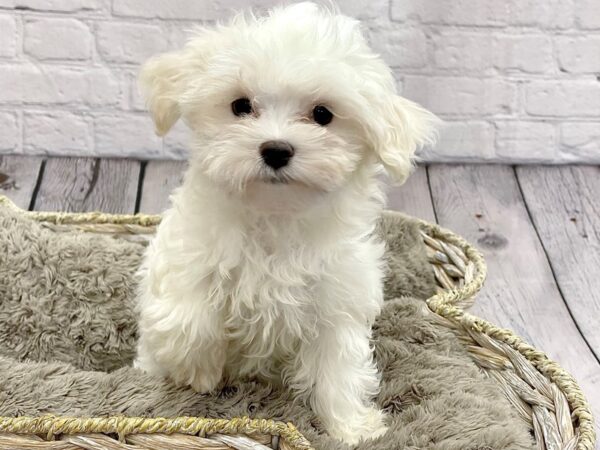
369 425
202 380
148 365
205 382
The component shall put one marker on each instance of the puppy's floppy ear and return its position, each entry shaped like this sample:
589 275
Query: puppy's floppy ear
165 79
161 82
403 127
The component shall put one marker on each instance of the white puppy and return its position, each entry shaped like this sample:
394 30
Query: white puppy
266 265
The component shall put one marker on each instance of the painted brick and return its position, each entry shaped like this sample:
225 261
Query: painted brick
544 14
8 36
400 47
363 9
497 70
465 51
461 96
579 54
451 12
464 141
177 35
136 100
526 141
126 134
588 14
60 133
218 9
547 14
129 42
58 5
24 83
580 141
53 85
482 51
527 53
563 98
184 9
58 39
9 130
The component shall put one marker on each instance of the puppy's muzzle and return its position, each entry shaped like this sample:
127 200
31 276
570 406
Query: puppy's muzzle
276 154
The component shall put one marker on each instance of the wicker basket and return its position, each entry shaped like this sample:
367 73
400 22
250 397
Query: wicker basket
543 394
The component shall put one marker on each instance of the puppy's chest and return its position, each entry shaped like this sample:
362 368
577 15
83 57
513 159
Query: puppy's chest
271 293
273 282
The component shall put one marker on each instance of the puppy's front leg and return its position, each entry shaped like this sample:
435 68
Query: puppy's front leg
183 338
338 370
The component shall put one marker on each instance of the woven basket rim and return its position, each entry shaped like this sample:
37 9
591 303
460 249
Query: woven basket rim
443 304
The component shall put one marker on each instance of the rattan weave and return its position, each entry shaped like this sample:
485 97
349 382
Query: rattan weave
543 394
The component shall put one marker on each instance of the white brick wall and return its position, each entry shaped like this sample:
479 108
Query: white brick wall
515 80
57 38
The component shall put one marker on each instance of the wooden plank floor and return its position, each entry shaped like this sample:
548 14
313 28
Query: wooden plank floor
538 227
484 204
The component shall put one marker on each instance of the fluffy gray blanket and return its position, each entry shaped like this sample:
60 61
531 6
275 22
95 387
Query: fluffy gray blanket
67 338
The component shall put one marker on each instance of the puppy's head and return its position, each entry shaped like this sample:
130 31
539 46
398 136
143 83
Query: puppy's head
293 100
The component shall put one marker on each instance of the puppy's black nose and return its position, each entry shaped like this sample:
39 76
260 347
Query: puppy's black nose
276 154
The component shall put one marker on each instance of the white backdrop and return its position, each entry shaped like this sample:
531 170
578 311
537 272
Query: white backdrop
515 80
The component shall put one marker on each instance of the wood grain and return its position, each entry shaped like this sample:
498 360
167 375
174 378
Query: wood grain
160 179
18 178
564 203
484 204
413 197
84 184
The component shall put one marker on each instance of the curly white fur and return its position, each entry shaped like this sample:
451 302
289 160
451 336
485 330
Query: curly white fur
276 274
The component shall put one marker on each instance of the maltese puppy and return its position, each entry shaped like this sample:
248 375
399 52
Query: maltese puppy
267 264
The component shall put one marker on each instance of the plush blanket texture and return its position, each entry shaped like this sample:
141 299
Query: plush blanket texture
67 339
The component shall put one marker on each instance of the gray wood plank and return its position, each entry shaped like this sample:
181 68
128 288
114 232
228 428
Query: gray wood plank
160 179
18 178
564 204
413 197
85 184
484 205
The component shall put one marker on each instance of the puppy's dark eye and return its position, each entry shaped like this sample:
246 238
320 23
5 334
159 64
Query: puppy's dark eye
322 115
241 106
